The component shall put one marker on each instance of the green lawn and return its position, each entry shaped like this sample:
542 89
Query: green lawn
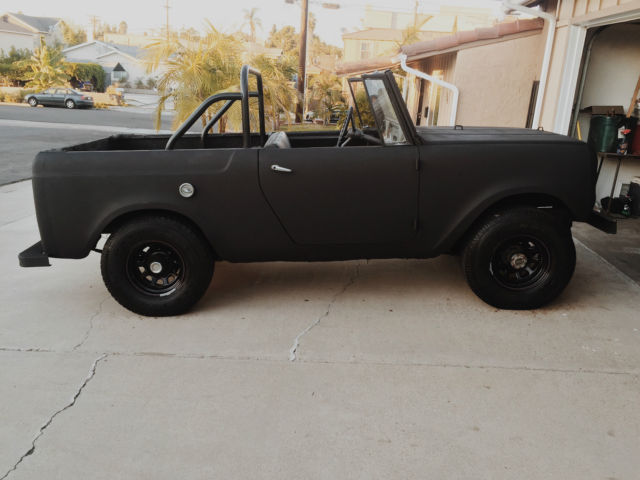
307 127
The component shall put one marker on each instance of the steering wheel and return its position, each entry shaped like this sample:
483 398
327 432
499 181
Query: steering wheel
345 128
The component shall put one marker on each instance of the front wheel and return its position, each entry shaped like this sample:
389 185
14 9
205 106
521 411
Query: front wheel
520 259
70 104
157 266
33 102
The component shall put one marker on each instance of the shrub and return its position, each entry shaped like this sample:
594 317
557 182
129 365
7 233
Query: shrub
139 83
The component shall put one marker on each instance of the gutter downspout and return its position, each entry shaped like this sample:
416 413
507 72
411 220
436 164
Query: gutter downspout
546 59
449 86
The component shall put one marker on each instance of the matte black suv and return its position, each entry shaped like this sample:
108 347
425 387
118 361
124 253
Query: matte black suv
503 198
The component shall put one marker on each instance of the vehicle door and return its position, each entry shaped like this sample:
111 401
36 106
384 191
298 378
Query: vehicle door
350 195
58 97
46 97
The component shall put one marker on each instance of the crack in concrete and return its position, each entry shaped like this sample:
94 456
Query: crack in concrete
296 342
72 402
93 317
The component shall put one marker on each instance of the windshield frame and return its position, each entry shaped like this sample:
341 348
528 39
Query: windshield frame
397 103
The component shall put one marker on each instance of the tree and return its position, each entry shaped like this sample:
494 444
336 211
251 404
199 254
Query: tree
123 27
88 72
286 39
411 34
12 65
72 36
46 67
327 91
252 22
192 73
279 96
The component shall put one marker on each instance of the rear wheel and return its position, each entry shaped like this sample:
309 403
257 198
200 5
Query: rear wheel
157 266
70 104
520 259
33 102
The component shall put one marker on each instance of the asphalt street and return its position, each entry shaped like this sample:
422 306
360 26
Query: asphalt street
26 131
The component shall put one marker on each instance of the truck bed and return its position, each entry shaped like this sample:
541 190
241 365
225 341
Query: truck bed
126 142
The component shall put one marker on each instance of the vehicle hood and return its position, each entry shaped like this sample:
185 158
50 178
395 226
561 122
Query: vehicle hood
435 135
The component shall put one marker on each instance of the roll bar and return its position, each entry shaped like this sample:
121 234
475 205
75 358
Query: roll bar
231 98
244 89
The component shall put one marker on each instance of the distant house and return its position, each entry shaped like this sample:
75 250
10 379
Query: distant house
24 31
121 63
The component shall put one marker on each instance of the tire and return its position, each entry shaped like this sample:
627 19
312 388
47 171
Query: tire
70 104
33 101
520 259
130 270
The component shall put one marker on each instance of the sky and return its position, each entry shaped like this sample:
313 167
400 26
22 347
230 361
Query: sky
226 15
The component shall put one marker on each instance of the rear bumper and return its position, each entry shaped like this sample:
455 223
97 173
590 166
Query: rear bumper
603 222
34 256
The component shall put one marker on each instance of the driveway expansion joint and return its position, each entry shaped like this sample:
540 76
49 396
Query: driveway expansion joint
296 341
72 402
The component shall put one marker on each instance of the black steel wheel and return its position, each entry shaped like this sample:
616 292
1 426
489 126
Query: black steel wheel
519 259
157 265
520 262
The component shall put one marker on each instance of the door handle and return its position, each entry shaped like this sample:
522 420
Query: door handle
278 168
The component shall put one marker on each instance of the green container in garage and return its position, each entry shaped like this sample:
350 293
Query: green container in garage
603 132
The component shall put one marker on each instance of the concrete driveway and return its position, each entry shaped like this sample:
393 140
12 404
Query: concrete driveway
399 372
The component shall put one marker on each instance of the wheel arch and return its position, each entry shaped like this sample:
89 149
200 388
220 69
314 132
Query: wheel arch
535 200
115 221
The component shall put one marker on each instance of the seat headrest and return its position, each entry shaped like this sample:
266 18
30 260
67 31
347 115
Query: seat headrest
278 140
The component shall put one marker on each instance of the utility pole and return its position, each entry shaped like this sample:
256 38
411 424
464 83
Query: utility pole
94 26
302 64
166 7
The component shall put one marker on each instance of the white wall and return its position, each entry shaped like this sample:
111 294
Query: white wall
8 40
135 69
614 67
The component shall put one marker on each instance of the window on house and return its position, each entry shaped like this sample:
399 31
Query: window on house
119 76
365 50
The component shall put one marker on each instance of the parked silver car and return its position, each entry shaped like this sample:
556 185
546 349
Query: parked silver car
60 97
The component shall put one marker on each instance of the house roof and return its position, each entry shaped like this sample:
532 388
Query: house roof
135 53
457 41
380 34
37 24
6 26
130 50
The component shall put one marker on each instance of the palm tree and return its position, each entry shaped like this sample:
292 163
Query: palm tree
46 67
280 96
192 73
252 21
411 34
327 90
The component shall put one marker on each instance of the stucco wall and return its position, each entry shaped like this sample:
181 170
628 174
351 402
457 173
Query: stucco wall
495 81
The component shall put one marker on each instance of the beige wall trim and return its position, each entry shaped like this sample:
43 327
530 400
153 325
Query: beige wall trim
620 13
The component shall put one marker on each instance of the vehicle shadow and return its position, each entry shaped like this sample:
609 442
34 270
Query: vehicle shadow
428 281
